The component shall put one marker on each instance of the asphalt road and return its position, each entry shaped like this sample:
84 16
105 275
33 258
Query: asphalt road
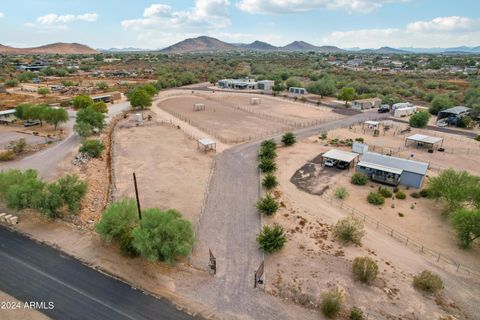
47 160
31 271
230 224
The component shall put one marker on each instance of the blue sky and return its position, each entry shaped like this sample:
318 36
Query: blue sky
157 24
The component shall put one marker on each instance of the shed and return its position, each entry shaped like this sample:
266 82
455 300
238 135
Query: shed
255 101
422 140
206 144
341 156
371 124
362 104
198 107
457 111
7 116
384 168
297 90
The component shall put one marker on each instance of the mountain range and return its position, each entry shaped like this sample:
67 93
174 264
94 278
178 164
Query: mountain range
54 48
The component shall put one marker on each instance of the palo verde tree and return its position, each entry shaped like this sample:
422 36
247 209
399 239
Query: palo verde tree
347 94
88 120
56 116
323 87
163 235
82 102
467 226
140 99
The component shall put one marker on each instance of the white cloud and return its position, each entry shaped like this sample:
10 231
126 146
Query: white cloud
439 32
209 14
2 15
52 18
295 6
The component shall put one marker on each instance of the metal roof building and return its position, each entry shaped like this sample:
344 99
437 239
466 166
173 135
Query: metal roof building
393 170
422 139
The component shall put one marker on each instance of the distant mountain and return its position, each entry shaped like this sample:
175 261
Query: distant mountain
54 48
129 49
257 46
299 46
384 50
200 44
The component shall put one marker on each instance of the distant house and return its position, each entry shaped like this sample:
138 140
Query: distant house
392 170
297 90
470 70
246 83
451 115
363 104
7 116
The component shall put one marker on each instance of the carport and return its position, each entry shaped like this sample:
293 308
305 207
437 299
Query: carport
340 156
423 140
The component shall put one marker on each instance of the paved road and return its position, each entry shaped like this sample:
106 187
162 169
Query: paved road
47 160
30 271
230 224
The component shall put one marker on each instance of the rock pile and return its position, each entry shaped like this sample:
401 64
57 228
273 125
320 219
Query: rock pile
80 159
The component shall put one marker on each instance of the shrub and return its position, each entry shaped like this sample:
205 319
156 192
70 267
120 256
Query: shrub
289 139
341 193
425 193
356 314
365 269
92 147
324 135
416 195
419 119
375 198
269 181
67 191
386 193
17 146
428 281
267 165
267 205
360 139
359 179
348 230
477 137
268 144
271 239
267 153
7 155
163 235
27 194
400 195
332 303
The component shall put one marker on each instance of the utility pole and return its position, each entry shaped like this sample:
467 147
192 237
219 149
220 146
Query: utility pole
136 195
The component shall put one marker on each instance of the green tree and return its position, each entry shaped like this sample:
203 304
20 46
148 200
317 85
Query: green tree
43 91
271 239
23 110
288 139
55 116
439 103
150 89
323 87
26 194
293 82
82 102
347 94
100 106
83 129
140 99
72 190
454 188
90 117
419 119
102 85
467 226
163 235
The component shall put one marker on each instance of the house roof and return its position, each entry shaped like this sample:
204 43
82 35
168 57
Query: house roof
5 112
367 100
456 110
425 139
394 162
340 155
380 167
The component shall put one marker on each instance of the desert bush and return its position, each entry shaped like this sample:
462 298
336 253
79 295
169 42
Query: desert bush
271 239
268 144
428 281
356 314
267 153
477 137
27 194
17 146
267 205
289 139
7 155
375 198
348 230
341 193
400 195
332 303
419 119
386 193
425 193
467 226
269 181
360 139
92 147
416 195
324 135
359 179
163 235
267 165
365 269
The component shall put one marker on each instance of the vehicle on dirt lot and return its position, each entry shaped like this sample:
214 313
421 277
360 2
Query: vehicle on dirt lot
342 165
31 123
330 162
384 108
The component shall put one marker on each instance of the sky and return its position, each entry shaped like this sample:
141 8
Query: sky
159 23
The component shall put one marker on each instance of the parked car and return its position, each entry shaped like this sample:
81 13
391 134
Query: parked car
31 123
330 163
384 108
342 165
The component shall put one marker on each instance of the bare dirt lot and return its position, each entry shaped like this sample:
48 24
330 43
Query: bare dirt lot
232 119
171 171
313 262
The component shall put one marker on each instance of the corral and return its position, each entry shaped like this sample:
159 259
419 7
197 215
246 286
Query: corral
231 118
171 171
